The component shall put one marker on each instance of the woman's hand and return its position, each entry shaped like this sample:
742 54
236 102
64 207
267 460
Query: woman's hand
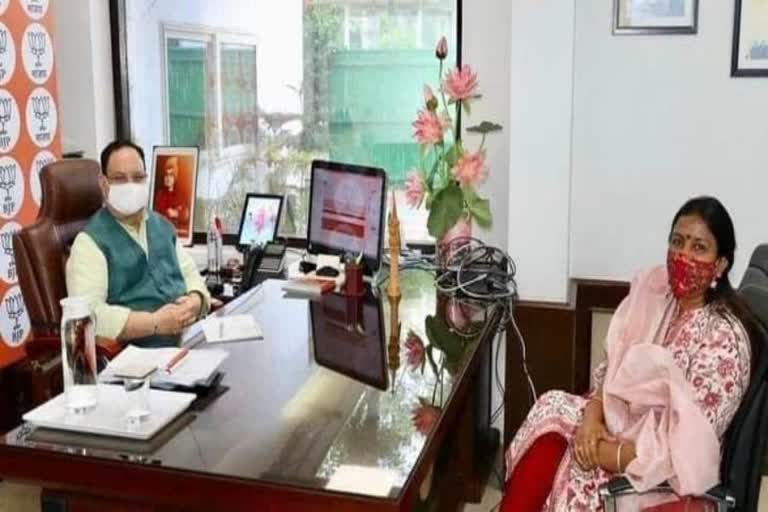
588 436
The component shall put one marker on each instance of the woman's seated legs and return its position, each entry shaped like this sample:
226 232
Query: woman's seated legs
530 483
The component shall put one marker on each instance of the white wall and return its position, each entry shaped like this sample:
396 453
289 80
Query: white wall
539 138
658 119
84 74
655 120
485 47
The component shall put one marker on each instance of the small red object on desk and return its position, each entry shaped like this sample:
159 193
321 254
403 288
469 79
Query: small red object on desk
176 359
353 277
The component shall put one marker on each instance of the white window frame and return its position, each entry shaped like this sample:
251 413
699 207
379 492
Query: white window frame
215 38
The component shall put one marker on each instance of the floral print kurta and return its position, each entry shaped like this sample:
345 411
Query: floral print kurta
712 349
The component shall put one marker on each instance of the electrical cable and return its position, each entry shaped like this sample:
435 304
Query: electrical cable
471 262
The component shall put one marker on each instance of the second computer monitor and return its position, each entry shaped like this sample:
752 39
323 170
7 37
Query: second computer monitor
346 211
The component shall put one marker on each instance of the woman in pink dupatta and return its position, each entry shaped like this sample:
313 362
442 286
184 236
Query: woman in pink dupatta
679 362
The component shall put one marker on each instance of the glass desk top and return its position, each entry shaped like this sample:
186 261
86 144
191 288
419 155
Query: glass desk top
332 398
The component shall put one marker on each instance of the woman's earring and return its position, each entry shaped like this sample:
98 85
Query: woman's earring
713 284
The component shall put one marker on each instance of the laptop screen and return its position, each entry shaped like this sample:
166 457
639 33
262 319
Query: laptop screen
261 216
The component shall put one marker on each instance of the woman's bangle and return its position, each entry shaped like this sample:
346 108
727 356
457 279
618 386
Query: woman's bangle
618 457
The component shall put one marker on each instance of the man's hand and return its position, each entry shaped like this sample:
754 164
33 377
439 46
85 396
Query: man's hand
172 318
588 436
173 213
190 303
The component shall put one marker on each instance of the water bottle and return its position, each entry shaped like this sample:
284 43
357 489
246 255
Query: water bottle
78 354
213 280
214 248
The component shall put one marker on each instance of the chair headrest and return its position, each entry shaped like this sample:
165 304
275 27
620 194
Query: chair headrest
70 190
757 270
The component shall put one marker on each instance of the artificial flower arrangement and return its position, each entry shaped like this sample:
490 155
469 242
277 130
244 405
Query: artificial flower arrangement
449 173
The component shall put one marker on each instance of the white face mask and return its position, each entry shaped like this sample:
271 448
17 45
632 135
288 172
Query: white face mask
128 198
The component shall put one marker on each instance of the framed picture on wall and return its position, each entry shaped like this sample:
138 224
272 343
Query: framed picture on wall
174 185
750 39
655 16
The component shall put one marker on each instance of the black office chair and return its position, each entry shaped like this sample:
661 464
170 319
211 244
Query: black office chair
745 440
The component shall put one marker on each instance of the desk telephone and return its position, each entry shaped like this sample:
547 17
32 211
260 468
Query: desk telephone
260 261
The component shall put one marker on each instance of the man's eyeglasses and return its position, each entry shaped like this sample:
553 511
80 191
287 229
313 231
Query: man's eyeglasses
120 180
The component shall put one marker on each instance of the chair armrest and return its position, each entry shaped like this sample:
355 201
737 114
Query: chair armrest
41 347
620 485
107 347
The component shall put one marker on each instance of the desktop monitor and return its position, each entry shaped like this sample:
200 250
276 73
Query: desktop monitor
261 216
348 337
346 211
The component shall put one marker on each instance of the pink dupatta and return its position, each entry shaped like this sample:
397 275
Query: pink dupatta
647 399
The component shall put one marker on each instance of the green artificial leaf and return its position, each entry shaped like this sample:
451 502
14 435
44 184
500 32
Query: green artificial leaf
445 210
480 210
442 337
431 176
452 155
485 127
470 196
467 108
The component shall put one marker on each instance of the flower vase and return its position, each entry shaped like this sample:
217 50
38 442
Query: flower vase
452 240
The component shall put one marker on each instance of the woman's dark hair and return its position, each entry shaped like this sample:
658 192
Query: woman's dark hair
719 222
114 146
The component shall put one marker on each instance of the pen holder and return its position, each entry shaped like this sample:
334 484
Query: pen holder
353 277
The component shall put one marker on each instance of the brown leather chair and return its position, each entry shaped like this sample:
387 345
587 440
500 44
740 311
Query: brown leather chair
70 195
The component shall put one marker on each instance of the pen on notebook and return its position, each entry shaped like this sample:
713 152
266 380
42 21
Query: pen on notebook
176 359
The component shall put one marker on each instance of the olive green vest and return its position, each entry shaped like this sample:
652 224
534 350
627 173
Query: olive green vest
137 280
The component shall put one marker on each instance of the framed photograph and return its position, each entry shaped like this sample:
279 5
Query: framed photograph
750 39
174 185
655 16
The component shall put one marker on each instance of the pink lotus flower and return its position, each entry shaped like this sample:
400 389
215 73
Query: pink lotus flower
429 128
470 168
260 220
425 417
429 98
460 83
414 350
414 189
441 51
456 316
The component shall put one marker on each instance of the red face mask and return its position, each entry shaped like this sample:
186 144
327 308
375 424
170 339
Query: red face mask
687 276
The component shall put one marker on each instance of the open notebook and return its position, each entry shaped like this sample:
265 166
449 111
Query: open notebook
196 368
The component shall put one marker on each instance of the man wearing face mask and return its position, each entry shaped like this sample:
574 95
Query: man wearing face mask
143 286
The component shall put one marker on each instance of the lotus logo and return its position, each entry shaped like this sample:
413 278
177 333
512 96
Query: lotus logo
14 306
7 182
41 106
37 43
6 244
6 112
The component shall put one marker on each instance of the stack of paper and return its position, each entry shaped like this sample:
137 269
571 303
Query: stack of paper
197 367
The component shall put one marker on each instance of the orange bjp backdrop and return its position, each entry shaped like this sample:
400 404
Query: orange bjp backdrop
29 140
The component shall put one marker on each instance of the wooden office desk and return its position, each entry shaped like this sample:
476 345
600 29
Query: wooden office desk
288 428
